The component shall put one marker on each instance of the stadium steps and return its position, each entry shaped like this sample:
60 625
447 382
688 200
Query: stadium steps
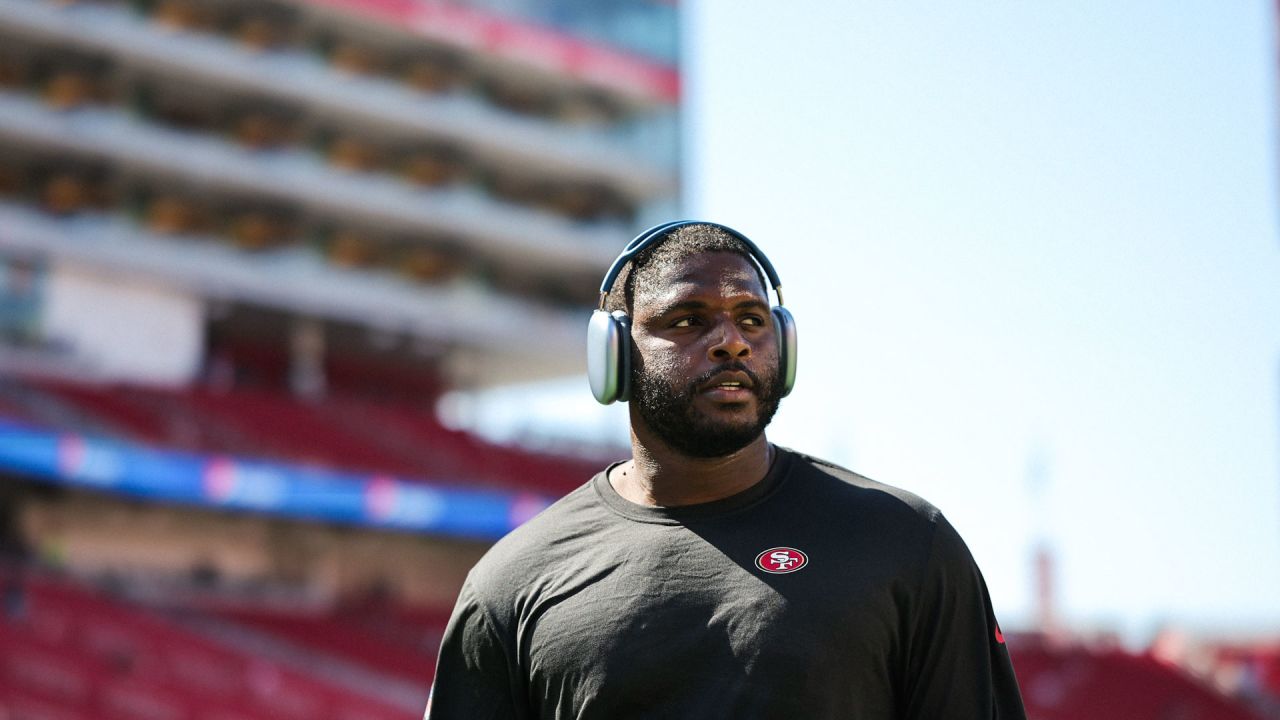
37 405
459 454
436 451
187 429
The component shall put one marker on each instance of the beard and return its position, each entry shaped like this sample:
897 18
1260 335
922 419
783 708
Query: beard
670 414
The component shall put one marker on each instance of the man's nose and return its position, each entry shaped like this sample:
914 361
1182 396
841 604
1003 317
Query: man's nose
730 344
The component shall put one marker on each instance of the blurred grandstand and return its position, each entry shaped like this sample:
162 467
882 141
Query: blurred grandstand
245 246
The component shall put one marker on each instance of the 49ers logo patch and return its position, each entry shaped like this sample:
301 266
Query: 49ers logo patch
781 560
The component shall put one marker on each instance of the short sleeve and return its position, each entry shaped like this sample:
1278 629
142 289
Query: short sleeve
957 666
476 678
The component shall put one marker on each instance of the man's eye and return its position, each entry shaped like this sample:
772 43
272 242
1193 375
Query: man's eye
753 320
683 322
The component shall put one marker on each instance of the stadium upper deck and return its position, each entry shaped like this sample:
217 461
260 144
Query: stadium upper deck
435 173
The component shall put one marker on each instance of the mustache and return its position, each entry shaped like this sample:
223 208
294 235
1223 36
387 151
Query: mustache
756 386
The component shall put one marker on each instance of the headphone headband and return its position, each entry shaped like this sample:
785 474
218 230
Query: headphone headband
659 232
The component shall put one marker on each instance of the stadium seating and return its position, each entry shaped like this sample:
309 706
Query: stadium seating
346 433
75 653
1076 682
379 642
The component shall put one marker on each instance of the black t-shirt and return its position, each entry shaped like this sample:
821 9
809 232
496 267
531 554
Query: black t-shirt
814 594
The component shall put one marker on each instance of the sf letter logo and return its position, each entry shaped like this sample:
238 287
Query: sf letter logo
781 560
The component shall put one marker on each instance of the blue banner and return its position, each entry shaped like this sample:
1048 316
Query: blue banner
222 482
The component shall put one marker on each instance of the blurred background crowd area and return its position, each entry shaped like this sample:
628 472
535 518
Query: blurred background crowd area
266 126
246 247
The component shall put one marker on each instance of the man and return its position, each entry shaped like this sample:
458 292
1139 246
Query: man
714 575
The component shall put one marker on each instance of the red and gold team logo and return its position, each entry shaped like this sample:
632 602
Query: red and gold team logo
781 560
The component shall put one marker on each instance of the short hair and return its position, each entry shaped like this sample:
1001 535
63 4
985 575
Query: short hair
674 248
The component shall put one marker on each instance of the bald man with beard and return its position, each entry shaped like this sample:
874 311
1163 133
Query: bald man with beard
714 574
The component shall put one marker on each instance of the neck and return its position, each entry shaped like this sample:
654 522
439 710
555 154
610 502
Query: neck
659 476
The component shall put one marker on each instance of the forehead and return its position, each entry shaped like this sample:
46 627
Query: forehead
703 277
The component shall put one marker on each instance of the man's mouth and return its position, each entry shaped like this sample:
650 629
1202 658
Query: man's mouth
728 386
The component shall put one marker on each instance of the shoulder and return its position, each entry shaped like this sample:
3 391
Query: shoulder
913 527
828 482
537 546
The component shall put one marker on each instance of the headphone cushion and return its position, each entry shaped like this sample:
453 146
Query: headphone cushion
785 326
623 322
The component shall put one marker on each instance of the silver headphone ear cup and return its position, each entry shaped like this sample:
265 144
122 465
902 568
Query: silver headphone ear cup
602 353
785 325
609 356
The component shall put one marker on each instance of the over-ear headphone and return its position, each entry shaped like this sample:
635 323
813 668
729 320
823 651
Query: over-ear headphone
609 334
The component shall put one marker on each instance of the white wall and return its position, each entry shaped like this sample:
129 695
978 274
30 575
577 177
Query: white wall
122 327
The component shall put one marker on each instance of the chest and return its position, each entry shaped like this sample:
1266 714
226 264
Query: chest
676 613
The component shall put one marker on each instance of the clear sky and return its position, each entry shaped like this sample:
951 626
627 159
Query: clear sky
1011 230
1014 236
